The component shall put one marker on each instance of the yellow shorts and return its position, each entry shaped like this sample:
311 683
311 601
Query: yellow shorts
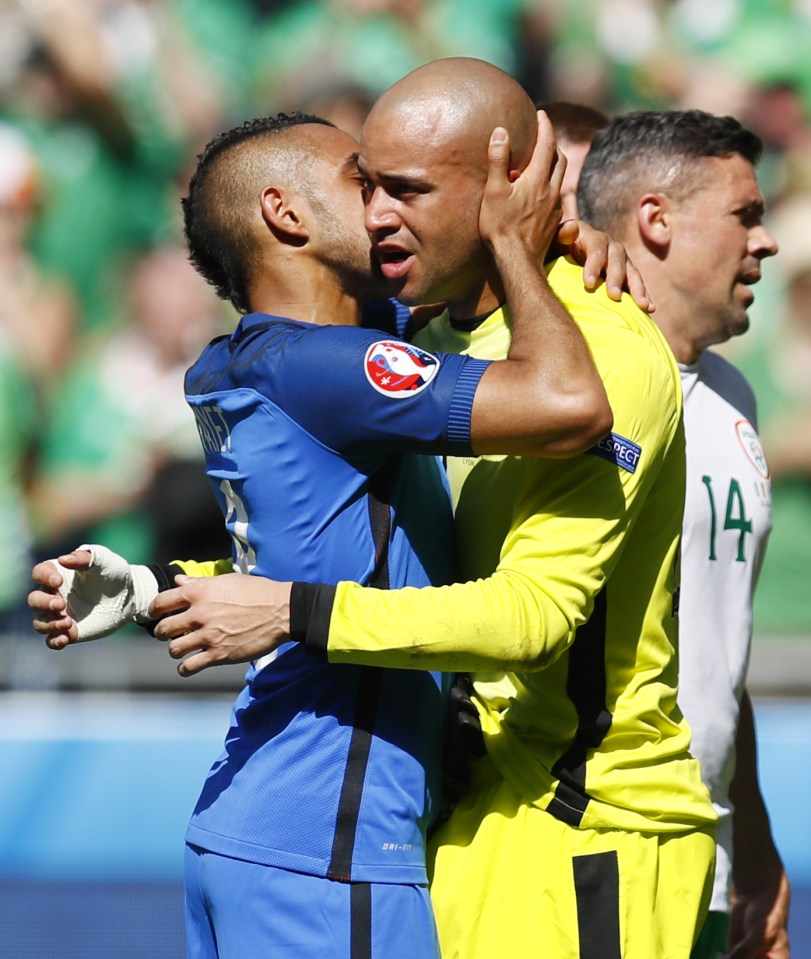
509 881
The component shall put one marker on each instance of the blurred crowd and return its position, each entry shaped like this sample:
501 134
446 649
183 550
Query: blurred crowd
104 105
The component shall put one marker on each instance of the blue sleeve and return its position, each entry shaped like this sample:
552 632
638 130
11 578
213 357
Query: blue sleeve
354 390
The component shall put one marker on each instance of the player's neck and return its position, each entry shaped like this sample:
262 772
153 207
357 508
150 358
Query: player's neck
322 304
479 304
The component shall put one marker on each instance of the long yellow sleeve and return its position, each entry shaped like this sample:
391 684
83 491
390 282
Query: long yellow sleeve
210 567
539 538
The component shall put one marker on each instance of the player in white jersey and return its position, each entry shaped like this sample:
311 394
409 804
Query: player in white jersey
679 189
727 520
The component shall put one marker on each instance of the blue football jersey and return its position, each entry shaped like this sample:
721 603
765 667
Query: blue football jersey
311 436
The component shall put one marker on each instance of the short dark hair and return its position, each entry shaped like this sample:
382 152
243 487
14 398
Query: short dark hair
654 150
215 215
575 122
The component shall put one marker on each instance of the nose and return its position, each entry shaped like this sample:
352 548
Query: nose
379 213
762 243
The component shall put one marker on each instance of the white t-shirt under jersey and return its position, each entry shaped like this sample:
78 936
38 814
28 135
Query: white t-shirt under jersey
727 520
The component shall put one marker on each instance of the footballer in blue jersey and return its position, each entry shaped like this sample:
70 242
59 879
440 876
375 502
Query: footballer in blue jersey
300 425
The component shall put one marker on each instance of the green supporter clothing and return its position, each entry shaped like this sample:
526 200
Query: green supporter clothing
18 420
375 48
96 207
114 417
567 612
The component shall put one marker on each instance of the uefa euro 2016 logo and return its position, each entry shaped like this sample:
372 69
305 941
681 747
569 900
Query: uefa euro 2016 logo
399 369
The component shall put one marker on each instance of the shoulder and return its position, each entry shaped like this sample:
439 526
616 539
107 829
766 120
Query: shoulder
566 279
727 381
618 329
717 369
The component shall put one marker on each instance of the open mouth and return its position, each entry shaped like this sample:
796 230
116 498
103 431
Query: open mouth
394 262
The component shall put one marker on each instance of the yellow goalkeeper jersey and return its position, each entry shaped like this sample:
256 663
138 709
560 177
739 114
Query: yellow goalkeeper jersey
566 606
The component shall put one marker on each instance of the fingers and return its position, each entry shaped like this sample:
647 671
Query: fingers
615 269
622 275
546 158
78 559
46 574
53 622
546 162
596 266
603 259
63 638
47 602
167 602
557 174
637 289
52 625
59 630
178 624
198 655
194 665
521 208
187 643
498 154
568 232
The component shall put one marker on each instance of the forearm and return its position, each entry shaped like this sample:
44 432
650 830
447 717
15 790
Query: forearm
762 893
755 856
505 622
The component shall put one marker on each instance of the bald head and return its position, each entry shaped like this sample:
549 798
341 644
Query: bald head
457 103
221 212
424 153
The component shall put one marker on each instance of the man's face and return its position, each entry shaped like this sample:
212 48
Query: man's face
718 241
422 212
337 199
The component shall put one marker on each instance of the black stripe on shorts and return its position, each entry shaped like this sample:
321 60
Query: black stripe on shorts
596 886
360 909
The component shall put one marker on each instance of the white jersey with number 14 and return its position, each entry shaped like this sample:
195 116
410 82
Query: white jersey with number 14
727 520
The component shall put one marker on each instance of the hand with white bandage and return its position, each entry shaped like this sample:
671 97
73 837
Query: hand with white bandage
88 594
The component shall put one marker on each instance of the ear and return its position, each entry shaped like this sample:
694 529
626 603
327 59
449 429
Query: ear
653 216
281 212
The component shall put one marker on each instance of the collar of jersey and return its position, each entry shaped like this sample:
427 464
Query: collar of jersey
468 326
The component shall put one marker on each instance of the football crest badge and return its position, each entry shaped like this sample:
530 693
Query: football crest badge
750 444
399 369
